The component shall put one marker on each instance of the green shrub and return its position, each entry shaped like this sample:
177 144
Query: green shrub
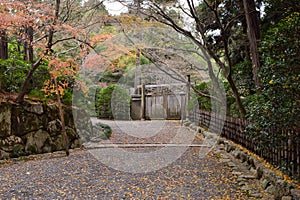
13 72
17 151
112 102
203 102
277 106
106 129
67 97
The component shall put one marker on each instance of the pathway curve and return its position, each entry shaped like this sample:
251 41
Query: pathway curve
82 176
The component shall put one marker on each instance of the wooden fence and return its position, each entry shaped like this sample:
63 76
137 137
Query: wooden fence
280 148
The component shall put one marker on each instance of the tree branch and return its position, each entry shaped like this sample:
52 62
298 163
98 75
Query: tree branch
63 39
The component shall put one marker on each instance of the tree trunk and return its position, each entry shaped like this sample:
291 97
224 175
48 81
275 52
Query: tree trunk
228 75
237 96
28 49
3 45
253 35
218 92
25 85
62 119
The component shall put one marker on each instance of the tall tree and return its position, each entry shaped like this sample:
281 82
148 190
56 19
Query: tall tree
48 49
43 29
194 26
253 32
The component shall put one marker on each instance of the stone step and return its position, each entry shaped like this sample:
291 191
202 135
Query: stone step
140 145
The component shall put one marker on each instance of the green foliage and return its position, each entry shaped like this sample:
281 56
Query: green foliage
67 97
281 72
13 70
111 76
13 73
106 129
243 77
39 77
17 151
112 102
122 65
231 106
204 103
277 106
33 94
144 60
229 14
276 11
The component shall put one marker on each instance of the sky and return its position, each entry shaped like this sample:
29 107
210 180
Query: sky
114 7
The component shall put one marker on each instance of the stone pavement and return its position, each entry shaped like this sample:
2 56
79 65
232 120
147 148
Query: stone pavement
191 175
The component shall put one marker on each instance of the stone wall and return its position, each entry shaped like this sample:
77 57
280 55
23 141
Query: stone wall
33 128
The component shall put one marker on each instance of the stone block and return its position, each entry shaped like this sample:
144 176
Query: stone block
5 120
23 122
247 187
249 176
256 195
34 108
259 172
271 190
264 183
270 175
37 141
230 148
231 164
295 194
236 153
4 155
221 141
9 143
243 156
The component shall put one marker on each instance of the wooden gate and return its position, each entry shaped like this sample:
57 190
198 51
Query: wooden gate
164 107
159 102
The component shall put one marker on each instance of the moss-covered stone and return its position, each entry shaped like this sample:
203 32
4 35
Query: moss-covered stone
31 128
36 141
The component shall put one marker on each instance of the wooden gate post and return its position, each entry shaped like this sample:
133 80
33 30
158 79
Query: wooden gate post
143 102
137 77
182 106
188 85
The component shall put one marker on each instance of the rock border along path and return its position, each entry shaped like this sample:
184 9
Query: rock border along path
252 172
81 176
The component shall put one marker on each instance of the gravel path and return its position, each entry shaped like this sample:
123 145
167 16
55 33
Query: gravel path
82 176
149 132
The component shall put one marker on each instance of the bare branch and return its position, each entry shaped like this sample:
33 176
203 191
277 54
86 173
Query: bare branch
67 51
158 63
39 39
184 11
63 39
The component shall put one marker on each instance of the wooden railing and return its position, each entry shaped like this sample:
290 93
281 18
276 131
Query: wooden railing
282 150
